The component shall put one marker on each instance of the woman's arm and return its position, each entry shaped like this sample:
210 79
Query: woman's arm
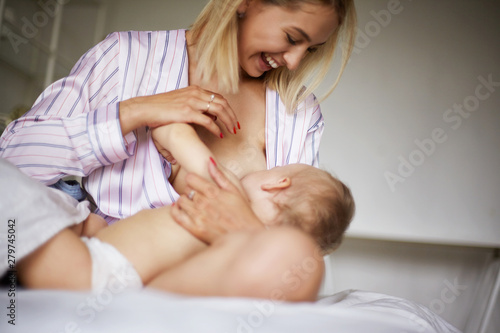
193 105
86 120
73 126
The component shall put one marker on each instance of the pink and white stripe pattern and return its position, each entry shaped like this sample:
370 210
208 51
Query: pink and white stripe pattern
73 127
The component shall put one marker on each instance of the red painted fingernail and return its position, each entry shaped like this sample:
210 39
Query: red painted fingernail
173 204
239 127
213 161
221 135
234 130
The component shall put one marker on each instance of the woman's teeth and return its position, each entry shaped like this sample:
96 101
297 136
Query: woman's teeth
270 61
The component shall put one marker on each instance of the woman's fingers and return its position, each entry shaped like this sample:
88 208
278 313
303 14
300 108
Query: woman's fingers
220 179
216 105
226 180
201 185
182 218
195 220
220 108
205 121
214 209
207 102
187 105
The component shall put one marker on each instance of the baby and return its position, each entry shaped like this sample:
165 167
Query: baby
141 247
315 202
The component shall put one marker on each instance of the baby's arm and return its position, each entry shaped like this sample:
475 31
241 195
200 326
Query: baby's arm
184 144
192 155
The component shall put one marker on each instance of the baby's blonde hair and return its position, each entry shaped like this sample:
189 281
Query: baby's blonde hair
215 35
319 204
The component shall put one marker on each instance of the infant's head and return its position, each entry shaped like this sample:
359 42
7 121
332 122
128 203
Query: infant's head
305 197
319 204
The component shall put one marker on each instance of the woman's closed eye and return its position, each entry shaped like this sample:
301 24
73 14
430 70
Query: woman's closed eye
291 40
294 42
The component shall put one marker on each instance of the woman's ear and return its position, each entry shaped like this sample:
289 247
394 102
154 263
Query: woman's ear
242 8
281 184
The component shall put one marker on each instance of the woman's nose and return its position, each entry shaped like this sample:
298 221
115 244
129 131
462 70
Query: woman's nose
293 58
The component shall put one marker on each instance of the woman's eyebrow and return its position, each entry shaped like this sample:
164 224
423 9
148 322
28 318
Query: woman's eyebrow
305 35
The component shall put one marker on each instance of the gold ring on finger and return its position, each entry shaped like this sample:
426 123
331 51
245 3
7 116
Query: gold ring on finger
212 98
208 106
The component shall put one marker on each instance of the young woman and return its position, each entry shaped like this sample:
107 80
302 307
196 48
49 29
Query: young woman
238 75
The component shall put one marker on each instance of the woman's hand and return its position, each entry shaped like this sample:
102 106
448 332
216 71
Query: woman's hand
192 105
214 209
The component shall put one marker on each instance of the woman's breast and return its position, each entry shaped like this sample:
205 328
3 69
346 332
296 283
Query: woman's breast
241 153
245 151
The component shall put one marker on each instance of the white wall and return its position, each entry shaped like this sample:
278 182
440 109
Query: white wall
126 15
444 278
410 68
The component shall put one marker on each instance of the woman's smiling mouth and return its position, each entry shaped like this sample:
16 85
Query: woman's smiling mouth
269 61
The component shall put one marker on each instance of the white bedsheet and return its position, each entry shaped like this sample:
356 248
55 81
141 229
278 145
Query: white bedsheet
155 311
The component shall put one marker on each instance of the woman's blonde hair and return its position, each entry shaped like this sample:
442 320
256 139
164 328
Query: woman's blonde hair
215 34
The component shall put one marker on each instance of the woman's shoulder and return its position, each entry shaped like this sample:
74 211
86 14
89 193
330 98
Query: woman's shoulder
136 35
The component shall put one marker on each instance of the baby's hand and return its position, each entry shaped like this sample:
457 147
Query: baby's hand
158 135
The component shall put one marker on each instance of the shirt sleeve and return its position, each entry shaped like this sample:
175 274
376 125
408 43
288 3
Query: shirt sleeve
310 153
73 127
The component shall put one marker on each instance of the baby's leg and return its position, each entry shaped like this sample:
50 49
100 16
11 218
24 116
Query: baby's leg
279 263
64 261
61 263
151 241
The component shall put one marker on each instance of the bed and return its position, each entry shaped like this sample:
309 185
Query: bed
156 311
25 205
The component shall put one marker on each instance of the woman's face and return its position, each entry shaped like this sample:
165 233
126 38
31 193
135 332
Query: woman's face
271 36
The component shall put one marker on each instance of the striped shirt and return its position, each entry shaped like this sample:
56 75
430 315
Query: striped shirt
73 127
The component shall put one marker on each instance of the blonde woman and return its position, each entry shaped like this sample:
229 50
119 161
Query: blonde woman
238 75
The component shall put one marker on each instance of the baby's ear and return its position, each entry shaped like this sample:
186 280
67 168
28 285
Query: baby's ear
281 184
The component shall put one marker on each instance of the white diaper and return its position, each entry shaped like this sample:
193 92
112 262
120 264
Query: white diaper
110 269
